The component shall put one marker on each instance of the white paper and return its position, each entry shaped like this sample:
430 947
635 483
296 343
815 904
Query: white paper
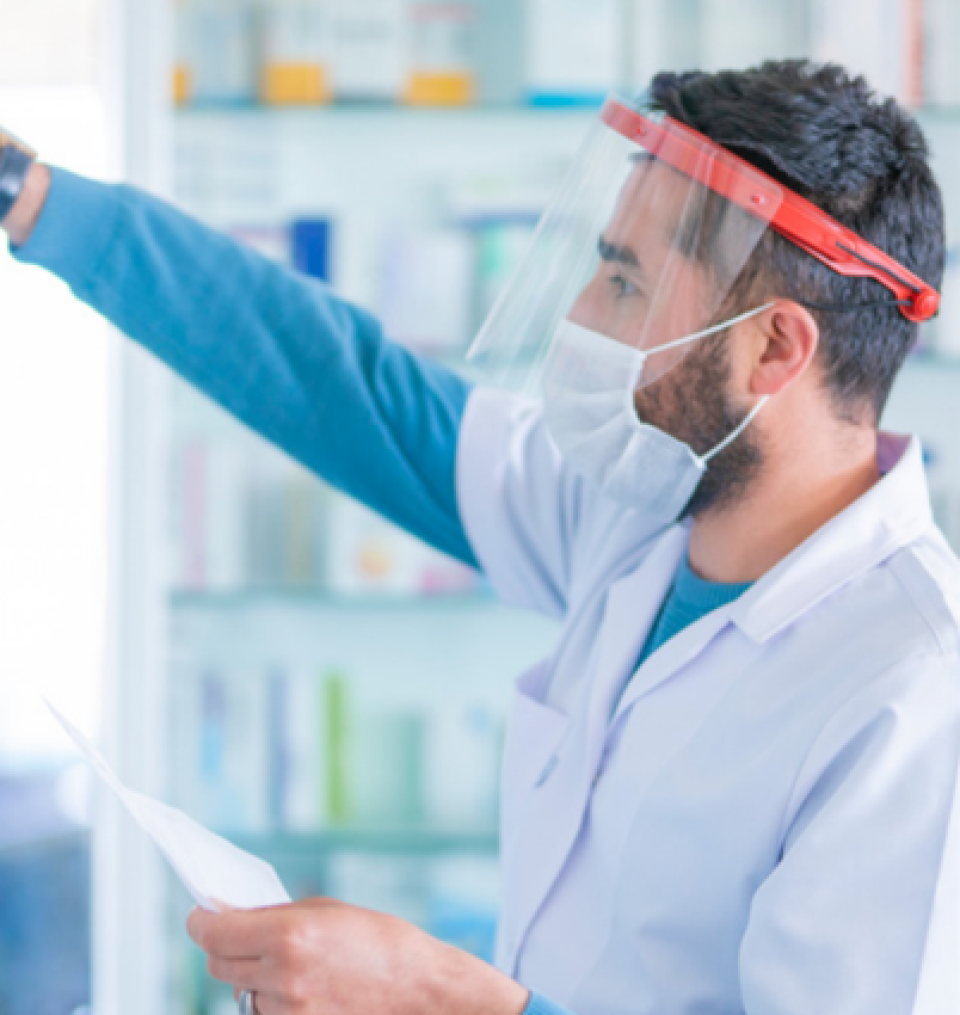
209 867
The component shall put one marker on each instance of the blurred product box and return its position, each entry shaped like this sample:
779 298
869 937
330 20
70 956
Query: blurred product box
221 730
574 51
263 751
293 750
397 885
941 82
272 241
464 903
303 801
183 85
881 39
263 503
462 765
500 249
296 52
244 517
208 525
440 70
747 32
311 243
370 38
428 277
305 244
218 59
386 767
368 555
643 43
499 48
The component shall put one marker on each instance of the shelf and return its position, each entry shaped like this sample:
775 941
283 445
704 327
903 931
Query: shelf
410 841
367 109
185 601
931 114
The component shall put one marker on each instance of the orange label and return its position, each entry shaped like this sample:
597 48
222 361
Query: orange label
296 85
182 85
450 89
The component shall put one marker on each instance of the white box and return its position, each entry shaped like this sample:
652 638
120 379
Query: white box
941 65
297 52
574 51
868 37
428 289
736 34
222 48
369 49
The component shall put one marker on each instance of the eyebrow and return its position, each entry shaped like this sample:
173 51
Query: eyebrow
615 254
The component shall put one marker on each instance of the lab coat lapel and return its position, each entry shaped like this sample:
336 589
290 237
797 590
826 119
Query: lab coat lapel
633 605
672 657
558 805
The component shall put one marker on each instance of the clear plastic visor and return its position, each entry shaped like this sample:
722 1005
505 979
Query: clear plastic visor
649 233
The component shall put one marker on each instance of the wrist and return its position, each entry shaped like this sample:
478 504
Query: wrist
468 986
24 215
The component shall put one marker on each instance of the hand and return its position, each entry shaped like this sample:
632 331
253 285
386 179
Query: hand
321 957
25 214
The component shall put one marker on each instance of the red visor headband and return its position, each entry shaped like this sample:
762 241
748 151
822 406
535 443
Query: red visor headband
801 222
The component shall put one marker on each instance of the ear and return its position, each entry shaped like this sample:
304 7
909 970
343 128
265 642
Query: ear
786 341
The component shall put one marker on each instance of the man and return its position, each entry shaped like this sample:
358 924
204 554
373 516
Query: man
733 786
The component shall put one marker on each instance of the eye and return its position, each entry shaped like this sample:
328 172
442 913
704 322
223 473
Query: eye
623 286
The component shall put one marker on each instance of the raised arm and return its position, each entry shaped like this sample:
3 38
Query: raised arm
311 373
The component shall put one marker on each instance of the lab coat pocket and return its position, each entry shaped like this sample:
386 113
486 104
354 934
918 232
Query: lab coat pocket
534 735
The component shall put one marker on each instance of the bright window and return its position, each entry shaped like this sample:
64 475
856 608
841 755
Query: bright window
54 405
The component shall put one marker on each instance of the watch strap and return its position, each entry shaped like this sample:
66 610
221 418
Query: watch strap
15 162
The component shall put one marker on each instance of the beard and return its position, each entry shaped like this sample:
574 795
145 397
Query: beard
692 404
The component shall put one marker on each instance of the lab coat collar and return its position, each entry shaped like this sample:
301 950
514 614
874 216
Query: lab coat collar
888 517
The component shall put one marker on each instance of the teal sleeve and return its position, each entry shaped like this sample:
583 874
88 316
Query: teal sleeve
311 373
539 1005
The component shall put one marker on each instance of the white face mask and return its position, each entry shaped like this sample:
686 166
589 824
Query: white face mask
589 384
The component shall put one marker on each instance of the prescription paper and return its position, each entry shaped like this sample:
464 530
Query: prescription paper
212 870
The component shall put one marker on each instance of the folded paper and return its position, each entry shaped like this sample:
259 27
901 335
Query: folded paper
212 870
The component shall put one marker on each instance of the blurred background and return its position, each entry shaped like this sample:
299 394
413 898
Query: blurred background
244 642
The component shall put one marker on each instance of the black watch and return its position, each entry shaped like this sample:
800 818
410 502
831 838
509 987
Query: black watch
16 158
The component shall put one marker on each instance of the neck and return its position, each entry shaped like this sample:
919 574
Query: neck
797 495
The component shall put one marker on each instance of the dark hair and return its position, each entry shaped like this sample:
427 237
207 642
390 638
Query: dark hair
863 160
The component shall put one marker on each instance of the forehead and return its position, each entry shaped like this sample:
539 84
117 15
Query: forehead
653 207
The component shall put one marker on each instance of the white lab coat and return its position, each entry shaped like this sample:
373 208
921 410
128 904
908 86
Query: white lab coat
768 822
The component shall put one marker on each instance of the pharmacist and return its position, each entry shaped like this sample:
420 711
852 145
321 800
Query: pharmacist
733 785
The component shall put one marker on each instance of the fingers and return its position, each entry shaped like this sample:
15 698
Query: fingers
241 974
238 934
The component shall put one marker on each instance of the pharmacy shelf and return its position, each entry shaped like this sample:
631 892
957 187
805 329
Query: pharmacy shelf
257 598
225 602
412 841
367 109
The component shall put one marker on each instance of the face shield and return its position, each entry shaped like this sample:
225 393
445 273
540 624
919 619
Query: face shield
642 245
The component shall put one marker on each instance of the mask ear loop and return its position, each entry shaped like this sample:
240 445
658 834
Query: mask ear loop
751 416
677 343
645 354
